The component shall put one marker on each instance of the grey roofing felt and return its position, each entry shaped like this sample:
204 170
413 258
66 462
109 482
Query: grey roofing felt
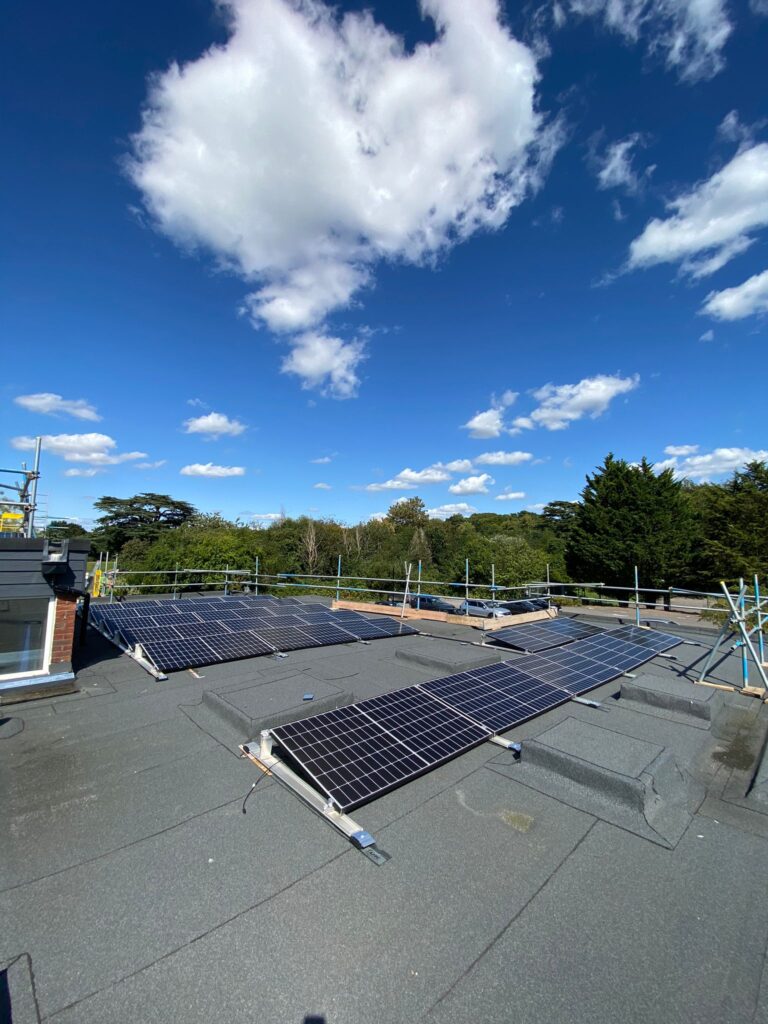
134 889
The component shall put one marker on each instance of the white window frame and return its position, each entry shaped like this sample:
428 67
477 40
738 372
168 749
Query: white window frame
50 624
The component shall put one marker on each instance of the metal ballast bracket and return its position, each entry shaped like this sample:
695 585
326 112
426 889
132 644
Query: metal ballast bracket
266 761
512 745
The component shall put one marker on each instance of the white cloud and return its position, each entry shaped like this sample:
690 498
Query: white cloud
713 221
309 147
96 449
214 425
150 465
716 463
741 301
614 168
503 458
681 449
733 129
520 423
510 496
472 484
458 465
52 405
688 34
327 363
759 7
208 469
322 487
490 423
322 461
538 507
486 424
410 479
707 335
460 508
563 404
82 472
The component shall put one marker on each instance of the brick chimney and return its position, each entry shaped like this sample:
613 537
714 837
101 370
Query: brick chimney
63 633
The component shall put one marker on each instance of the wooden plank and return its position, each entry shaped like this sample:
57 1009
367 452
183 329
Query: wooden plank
716 686
518 620
395 611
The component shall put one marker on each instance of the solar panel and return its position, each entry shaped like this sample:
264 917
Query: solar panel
649 638
613 650
281 621
393 627
424 725
170 655
133 636
346 616
348 756
291 638
205 629
364 629
540 636
201 631
352 756
316 619
361 751
570 670
238 645
511 698
169 619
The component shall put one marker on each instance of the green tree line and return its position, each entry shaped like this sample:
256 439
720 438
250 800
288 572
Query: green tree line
677 533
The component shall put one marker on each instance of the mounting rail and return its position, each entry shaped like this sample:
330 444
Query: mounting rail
266 762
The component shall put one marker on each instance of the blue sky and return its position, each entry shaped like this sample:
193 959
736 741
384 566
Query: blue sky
267 256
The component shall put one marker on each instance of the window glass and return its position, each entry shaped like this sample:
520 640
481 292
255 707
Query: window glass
22 634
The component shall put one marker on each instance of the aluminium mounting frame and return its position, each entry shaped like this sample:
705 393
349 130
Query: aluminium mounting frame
137 653
266 761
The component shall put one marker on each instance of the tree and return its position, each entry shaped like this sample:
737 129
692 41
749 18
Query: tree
560 516
62 529
409 512
731 526
142 517
629 515
309 547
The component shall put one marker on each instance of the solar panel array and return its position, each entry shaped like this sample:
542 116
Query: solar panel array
201 631
540 636
358 752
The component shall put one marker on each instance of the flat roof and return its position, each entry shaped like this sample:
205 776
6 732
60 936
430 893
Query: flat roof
615 870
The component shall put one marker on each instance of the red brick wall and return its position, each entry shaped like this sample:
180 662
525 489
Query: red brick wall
64 628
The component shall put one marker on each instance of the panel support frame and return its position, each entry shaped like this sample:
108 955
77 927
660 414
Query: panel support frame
266 762
136 652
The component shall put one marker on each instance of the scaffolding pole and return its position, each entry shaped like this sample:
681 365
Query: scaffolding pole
737 624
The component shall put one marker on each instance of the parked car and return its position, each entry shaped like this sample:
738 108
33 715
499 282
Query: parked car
430 603
519 607
483 609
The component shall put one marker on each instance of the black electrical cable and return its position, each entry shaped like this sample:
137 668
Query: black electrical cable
248 794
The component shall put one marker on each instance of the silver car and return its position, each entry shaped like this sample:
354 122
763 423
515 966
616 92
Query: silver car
483 609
